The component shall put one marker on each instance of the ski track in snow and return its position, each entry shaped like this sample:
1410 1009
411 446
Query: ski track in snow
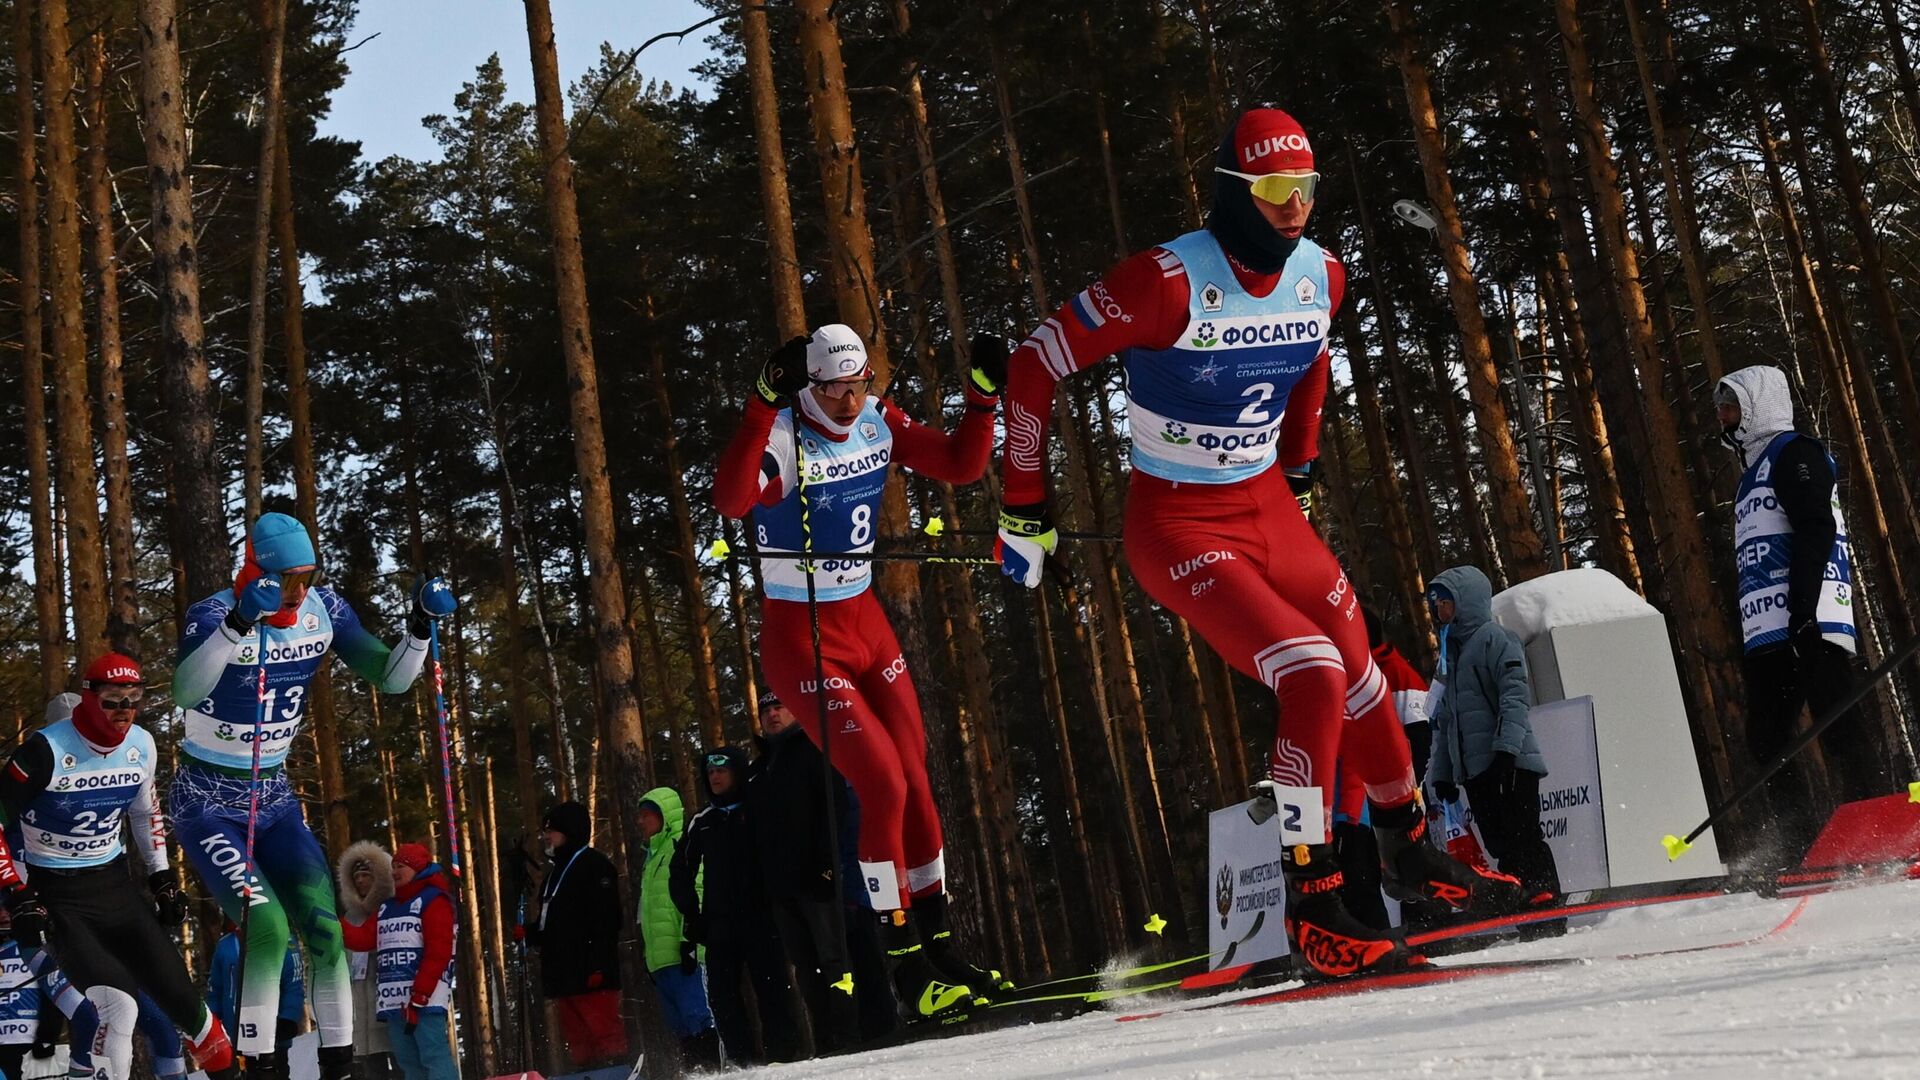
1836 994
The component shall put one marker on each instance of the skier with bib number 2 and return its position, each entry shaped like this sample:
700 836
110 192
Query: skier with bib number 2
1223 332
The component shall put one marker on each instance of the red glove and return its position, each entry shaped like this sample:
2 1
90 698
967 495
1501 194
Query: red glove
594 980
411 1011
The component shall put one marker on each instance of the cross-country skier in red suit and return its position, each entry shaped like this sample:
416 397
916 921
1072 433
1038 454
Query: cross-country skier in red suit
1223 332
811 474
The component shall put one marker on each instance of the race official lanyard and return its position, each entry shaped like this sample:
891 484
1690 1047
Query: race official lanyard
547 900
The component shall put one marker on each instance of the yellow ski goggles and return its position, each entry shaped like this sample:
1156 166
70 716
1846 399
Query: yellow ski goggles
1277 188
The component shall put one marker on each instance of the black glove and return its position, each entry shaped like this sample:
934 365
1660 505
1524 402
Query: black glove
169 901
1804 637
785 372
689 958
43 1050
1301 478
989 363
694 927
1500 772
30 918
1446 790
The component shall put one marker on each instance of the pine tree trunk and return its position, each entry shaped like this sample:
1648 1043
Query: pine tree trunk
1410 582
686 774
387 772
480 1033
856 292
1681 217
1605 503
199 527
1896 31
49 592
271 15
1518 541
789 303
1473 519
1103 133
612 650
1705 642
1846 169
79 482
123 614
1176 117
293 335
936 203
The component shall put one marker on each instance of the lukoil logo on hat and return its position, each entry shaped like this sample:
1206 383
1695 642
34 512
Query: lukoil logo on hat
1271 141
835 351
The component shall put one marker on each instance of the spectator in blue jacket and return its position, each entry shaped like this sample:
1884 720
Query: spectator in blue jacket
222 990
1482 738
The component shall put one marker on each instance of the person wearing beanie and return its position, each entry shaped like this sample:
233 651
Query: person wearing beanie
364 874
411 937
673 959
70 788
1223 334
577 930
278 624
808 464
718 884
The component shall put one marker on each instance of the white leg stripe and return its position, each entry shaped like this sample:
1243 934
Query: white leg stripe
1368 693
1283 658
931 873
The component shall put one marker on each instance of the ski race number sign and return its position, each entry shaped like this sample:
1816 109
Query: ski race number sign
1246 900
1573 816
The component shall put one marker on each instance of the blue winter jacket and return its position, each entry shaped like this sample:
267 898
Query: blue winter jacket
1483 709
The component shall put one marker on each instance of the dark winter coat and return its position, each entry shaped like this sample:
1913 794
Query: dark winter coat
731 902
1484 707
787 804
577 927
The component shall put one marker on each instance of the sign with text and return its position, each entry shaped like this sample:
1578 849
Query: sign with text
1246 900
1573 816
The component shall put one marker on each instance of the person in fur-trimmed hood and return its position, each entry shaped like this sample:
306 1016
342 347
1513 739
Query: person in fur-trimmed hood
365 875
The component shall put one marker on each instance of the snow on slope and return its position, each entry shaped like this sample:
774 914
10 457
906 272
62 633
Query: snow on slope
1834 994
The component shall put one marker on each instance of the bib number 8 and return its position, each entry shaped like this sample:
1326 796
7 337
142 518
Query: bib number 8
862 526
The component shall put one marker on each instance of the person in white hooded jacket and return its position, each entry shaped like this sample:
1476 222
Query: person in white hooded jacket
1796 590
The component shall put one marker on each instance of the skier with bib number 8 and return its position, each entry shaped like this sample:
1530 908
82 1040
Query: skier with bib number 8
1223 332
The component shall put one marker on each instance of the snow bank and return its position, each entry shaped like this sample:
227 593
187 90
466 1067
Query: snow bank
1580 597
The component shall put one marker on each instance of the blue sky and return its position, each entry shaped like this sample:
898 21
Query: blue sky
427 48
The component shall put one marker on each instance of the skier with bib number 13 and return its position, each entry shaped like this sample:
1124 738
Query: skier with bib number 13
1223 332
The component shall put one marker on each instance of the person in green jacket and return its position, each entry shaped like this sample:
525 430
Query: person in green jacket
672 960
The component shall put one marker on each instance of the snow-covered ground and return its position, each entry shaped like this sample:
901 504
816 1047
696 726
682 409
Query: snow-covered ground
1834 993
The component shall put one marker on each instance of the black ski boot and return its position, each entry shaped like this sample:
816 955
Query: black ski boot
1412 868
701 1053
1325 935
936 932
336 1062
921 990
268 1066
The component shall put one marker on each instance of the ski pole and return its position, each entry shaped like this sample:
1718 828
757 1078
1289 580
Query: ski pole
446 756
937 527
836 927
1677 846
253 820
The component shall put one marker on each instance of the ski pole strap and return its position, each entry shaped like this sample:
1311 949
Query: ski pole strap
1826 720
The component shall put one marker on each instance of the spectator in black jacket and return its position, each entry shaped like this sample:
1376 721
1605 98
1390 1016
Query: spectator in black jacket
729 915
787 805
577 931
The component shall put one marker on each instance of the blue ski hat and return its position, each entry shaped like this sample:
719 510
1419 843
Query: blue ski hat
280 543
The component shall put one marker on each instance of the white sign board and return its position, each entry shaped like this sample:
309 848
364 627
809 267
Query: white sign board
1572 813
1246 902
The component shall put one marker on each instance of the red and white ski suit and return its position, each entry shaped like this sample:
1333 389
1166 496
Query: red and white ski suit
1236 559
878 739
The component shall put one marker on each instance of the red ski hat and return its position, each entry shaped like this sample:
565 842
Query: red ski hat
1270 141
414 857
113 669
102 732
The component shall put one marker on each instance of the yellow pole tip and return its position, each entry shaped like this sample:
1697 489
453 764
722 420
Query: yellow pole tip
934 526
1913 791
1675 846
719 549
1156 924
